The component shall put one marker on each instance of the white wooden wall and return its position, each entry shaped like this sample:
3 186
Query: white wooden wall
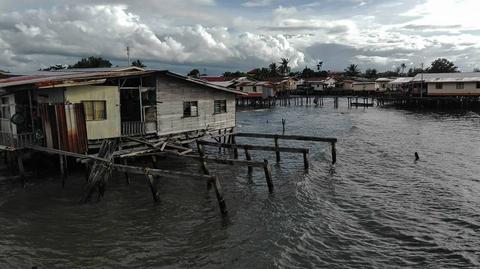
171 93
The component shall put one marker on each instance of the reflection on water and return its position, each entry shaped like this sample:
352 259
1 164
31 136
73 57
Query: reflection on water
376 208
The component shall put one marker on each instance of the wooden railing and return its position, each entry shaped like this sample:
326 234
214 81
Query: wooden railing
133 128
17 140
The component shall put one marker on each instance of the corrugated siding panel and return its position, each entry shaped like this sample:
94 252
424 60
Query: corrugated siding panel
64 127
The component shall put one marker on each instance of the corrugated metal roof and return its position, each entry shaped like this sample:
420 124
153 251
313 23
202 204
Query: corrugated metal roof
55 79
401 80
448 77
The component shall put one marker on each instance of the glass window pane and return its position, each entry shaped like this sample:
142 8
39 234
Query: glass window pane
100 111
88 107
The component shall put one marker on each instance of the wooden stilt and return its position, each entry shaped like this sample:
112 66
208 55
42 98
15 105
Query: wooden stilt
305 160
21 168
248 157
62 169
219 194
334 153
153 187
277 153
235 150
268 176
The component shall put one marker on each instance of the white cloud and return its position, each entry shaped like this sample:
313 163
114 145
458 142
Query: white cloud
258 3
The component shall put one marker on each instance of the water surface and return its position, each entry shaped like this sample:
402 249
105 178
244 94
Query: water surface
376 208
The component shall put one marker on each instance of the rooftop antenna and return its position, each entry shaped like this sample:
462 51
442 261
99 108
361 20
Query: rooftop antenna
128 55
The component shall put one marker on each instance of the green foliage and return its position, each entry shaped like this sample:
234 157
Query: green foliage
371 73
92 62
414 71
352 70
138 63
194 73
284 69
273 69
308 73
442 65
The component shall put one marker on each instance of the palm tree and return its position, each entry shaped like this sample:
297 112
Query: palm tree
319 66
273 69
352 70
284 69
403 66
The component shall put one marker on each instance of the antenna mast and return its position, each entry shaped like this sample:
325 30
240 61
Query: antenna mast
128 55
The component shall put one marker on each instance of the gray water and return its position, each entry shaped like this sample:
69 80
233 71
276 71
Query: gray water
376 208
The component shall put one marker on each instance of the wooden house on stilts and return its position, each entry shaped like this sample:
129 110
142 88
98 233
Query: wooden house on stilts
74 110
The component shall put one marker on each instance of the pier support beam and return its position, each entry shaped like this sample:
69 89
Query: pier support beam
334 153
268 175
21 168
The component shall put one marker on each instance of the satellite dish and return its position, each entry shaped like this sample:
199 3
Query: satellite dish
17 119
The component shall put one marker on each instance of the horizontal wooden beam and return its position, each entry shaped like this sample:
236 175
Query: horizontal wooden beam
288 137
254 147
158 172
65 153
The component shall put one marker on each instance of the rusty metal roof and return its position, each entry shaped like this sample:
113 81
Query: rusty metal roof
51 79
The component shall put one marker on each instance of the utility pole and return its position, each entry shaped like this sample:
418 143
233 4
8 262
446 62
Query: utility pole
128 56
421 88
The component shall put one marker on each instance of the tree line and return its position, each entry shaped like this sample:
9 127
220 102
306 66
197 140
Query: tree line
90 62
282 68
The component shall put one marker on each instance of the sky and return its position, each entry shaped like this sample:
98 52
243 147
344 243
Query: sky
219 35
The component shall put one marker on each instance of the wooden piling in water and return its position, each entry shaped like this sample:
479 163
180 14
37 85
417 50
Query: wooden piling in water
248 157
277 153
153 188
268 176
21 168
334 153
62 169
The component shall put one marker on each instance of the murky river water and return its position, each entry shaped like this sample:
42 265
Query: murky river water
376 208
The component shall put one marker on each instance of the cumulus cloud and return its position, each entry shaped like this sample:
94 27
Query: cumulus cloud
105 30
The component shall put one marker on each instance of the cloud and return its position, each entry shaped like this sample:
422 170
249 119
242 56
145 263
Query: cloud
258 3
106 30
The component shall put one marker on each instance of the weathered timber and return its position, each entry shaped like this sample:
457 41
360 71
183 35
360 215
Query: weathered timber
254 147
277 153
248 157
179 175
21 168
153 188
62 169
305 160
268 176
100 171
334 153
203 163
287 137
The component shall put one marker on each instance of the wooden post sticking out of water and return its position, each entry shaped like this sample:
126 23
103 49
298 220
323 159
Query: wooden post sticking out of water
125 162
305 159
21 168
277 153
268 176
62 169
283 125
248 157
152 186
203 163
219 194
334 153
235 150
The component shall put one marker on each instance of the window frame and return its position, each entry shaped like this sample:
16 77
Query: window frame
438 85
94 118
478 84
460 86
189 104
222 106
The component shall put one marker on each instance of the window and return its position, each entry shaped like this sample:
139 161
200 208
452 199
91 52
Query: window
438 86
220 106
478 85
241 89
4 108
95 110
190 109
459 85
254 88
